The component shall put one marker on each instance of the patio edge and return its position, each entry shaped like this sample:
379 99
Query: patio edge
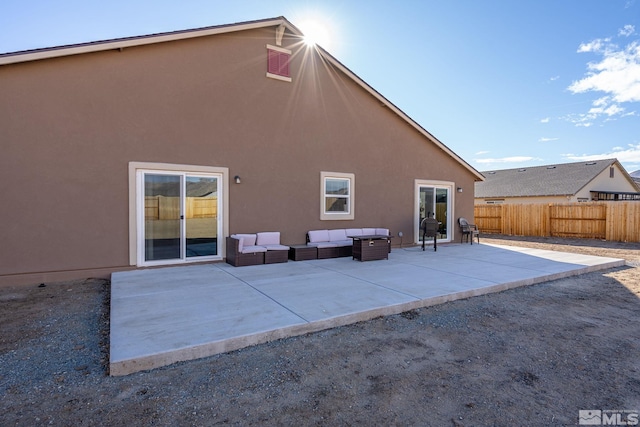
143 363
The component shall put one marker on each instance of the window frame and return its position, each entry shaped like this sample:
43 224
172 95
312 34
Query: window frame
284 73
337 216
136 205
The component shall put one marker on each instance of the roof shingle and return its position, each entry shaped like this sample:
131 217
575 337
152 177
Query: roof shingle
550 180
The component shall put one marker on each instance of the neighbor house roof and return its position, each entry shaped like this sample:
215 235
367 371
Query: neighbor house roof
564 179
121 43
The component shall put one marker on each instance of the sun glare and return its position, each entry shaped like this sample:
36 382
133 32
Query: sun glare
315 33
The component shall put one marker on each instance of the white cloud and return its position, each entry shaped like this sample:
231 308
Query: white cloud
628 155
514 159
593 46
627 30
554 78
617 75
547 139
545 120
480 153
611 110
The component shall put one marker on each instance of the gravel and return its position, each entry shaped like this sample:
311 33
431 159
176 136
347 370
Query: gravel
533 355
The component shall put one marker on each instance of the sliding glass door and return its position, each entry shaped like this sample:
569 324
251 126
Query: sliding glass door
433 200
179 217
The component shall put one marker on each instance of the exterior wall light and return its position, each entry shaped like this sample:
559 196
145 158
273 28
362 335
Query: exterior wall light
237 179
459 189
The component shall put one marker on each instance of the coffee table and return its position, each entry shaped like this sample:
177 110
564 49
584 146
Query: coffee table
370 247
302 252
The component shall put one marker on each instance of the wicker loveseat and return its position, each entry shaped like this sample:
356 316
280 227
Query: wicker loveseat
335 243
258 248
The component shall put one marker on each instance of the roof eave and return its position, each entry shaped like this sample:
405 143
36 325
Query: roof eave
122 43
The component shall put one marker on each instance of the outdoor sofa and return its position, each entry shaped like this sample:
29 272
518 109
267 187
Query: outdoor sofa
335 243
254 249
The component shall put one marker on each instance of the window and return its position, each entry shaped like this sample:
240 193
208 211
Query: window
611 172
337 196
278 60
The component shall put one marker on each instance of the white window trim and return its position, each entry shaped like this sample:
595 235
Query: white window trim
278 49
134 167
338 216
278 77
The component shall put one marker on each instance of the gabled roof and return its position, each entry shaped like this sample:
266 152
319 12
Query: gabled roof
121 43
564 179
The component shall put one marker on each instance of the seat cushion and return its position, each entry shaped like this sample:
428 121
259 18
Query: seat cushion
321 245
253 249
382 231
368 231
276 247
337 235
347 242
318 236
354 231
247 239
268 238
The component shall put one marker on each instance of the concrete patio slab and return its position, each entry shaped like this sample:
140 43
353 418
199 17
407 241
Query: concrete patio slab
166 315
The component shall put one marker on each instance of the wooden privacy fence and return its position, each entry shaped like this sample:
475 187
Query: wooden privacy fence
615 221
160 207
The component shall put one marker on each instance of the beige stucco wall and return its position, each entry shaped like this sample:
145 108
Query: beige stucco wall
71 125
604 182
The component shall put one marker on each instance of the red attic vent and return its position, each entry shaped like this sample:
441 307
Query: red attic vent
278 63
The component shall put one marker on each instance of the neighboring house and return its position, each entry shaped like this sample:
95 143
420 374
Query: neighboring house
150 150
565 182
636 177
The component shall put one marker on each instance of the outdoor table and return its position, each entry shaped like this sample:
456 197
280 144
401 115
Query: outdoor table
302 252
370 247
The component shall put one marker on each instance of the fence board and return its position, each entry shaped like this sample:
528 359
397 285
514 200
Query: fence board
160 207
489 218
618 221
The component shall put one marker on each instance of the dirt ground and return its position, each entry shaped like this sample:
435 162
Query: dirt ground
529 356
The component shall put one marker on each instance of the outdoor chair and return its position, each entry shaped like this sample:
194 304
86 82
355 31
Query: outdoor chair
468 231
429 227
242 250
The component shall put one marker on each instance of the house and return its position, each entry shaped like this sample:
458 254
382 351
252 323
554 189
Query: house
566 182
150 150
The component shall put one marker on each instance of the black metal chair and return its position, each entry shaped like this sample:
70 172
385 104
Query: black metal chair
468 230
429 227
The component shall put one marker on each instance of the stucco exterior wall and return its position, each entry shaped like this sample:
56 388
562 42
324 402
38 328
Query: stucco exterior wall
71 125
604 182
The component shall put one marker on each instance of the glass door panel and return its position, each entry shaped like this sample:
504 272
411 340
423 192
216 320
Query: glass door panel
433 202
162 211
427 203
201 216
442 202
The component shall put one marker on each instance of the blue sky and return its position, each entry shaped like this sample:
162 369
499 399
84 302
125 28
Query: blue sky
503 83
